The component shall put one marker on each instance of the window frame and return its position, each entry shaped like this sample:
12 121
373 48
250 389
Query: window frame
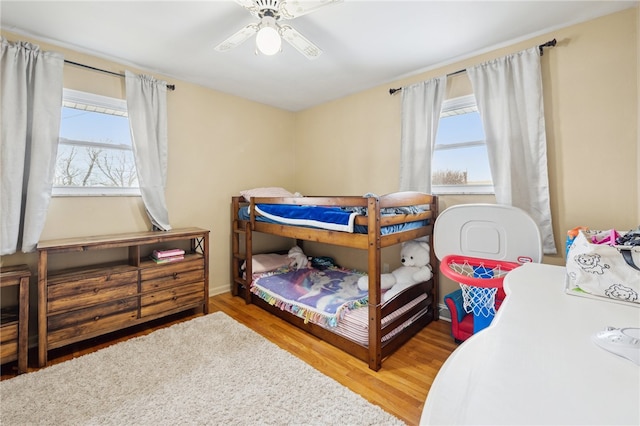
455 104
102 104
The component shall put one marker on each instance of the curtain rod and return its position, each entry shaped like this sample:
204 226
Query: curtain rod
169 86
550 43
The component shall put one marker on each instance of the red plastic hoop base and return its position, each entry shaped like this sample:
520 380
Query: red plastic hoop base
449 272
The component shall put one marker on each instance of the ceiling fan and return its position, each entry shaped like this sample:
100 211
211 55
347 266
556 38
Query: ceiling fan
270 32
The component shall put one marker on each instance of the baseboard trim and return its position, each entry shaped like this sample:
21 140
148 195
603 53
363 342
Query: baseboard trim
214 291
444 312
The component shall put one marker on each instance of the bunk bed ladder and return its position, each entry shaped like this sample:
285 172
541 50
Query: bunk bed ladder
240 231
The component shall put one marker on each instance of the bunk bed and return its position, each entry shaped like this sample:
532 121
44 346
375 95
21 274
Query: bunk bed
378 222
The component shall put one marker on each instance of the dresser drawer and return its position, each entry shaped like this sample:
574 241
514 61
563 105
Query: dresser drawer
8 342
70 291
173 280
151 270
93 314
82 323
156 302
8 333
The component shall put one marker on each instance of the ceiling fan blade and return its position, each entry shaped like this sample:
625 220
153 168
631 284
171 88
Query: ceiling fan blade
293 8
297 40
246 3
250 5
237 38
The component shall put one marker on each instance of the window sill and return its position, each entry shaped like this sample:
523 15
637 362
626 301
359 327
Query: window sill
462 190
95 192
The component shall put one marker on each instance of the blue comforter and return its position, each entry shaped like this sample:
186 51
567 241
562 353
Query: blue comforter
332 218
339 217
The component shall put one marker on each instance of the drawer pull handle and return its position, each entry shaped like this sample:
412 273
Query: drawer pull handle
96 318
175 275
174 298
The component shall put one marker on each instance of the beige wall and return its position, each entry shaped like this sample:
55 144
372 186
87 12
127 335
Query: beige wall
591 110
220 144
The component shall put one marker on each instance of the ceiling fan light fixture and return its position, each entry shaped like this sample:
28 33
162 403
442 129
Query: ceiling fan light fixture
269 30
268 40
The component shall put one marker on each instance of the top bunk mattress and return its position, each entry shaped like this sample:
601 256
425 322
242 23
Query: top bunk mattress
329 218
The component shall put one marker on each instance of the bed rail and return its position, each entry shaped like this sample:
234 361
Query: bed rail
372 205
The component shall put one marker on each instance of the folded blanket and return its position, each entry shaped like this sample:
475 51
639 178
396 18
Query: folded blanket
331 218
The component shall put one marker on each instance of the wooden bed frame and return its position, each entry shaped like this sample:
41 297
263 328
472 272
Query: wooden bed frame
372 242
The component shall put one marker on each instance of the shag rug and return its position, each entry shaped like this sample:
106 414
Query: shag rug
207 371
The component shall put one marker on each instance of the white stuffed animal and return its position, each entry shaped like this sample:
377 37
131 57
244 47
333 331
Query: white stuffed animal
298 259
415 257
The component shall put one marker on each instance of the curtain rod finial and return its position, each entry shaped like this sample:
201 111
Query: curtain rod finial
550 43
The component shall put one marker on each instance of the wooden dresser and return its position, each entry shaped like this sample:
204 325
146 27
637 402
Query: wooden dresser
78 303
14 326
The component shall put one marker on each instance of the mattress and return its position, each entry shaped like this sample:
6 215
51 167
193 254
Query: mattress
354 325
244 214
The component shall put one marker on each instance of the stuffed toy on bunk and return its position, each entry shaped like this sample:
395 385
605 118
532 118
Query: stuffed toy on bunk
297 258
415 257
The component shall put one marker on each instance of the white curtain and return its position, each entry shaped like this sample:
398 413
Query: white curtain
421 105
147 106
31 101
508 92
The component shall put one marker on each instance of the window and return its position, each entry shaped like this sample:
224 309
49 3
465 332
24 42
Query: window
460 163
95 153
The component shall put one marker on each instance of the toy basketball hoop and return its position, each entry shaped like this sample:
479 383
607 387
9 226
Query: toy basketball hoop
480 280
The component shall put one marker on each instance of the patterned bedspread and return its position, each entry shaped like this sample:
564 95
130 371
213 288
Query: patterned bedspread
318 296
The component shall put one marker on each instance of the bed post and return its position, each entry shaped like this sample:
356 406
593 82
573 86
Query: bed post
435 263
375 305
248 253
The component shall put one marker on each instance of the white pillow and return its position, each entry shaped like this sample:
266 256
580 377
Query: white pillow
267 262
272 191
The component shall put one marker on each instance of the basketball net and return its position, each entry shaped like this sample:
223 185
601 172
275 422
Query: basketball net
481 301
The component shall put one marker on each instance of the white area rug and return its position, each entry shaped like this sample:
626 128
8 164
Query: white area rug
207 371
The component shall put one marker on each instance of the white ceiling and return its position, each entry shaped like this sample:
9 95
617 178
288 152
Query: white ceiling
365 43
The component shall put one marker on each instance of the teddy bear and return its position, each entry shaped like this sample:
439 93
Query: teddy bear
297 258
415 257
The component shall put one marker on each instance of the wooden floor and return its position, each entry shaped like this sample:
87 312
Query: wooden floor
400 387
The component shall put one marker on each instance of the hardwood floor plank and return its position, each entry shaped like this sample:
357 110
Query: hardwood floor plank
400 387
